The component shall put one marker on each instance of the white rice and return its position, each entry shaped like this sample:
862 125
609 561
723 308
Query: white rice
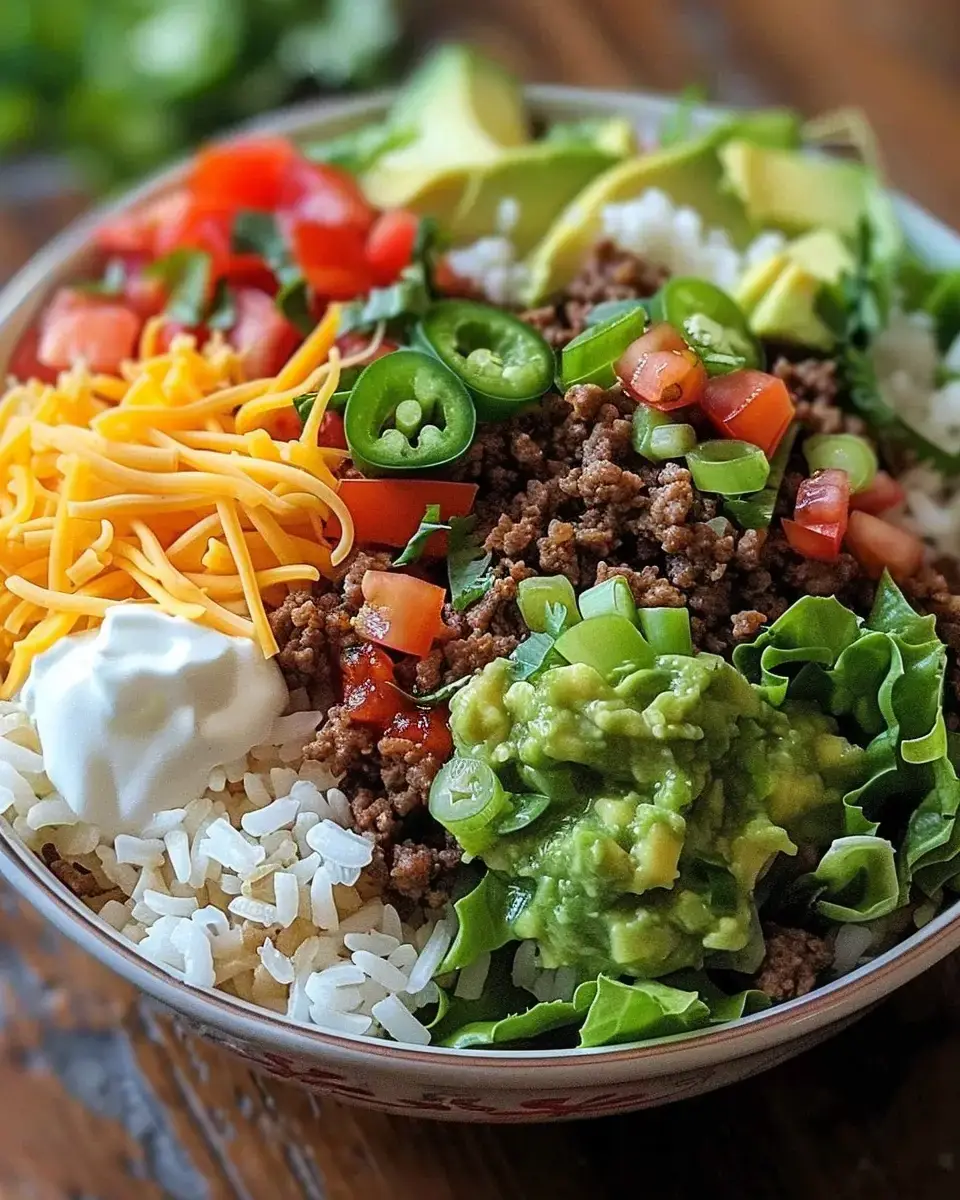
669 235
907 359
491 265
251 888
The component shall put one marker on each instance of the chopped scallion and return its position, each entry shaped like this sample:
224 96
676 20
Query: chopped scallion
667 630
843 452
728 467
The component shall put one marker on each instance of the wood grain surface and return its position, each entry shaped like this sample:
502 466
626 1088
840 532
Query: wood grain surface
102 1098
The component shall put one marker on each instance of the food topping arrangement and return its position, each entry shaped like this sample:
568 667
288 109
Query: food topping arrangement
487 590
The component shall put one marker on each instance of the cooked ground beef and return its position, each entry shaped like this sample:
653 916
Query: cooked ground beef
793 963
561 491
608 274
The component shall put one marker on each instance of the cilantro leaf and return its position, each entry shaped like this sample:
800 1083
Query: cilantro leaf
534 652
429 525
256 232
360 149
185 275
468 565
408 297
293 300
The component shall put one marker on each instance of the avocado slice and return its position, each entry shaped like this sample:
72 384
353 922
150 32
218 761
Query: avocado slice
542 178
616 135
795 192
788 313
780 295
465 110
689 173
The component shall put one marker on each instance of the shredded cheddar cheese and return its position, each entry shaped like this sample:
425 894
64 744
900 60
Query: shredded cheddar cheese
163 486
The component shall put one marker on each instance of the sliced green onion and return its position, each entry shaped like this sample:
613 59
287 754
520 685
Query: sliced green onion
534 594
466 797
589 358
756 511
671 441
667 630
657 438
843 452
612 597
608 644
728 467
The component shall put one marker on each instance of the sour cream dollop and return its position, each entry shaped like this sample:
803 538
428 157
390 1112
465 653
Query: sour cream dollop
133 718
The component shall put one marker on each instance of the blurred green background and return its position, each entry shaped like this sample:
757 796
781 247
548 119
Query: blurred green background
122 85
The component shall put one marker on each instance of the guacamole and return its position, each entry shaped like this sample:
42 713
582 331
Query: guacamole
661 801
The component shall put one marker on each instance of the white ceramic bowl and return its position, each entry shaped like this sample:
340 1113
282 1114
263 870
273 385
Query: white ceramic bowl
500 1085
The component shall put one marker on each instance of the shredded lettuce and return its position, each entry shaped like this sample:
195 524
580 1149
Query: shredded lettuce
887 674
858 878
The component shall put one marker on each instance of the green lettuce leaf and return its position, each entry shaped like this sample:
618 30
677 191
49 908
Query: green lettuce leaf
631 1012
857 880
485 917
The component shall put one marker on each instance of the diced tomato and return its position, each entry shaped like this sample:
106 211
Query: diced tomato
388 512
369 694
424 727
248 173
390 243
401 611
354 343
821 542
363 662
171 329
331 432
285 425
661 370
262 334
324 195
77 327
751 406
145 296
332 259
667 379
824 499
881 495
24 363
877 544
199 227
135 232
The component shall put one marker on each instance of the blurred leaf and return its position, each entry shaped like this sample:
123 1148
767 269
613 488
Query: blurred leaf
342 45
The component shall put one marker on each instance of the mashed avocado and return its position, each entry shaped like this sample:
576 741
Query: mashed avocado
669 794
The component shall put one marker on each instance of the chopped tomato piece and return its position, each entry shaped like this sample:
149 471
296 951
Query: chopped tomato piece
821 542
882 494
135 232
24 363
199 227
145 296
424 727
877 544
666 379
661 336
354 343
388 512
324 195
401 611
390 243
369 694
824 499
751 406
331 432
365 662
80 328
262 334
249 173
285 425
332 259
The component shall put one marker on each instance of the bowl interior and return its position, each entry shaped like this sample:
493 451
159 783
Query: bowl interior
61 261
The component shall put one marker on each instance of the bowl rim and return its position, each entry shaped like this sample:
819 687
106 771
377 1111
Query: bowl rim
23 870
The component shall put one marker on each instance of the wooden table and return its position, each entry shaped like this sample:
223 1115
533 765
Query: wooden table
103 1099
